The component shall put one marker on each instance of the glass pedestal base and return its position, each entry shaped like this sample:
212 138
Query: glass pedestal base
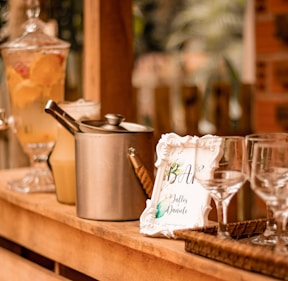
36 180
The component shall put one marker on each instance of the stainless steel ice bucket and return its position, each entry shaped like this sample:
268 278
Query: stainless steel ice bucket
107 187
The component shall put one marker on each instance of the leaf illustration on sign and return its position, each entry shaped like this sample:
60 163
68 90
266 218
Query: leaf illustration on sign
162 207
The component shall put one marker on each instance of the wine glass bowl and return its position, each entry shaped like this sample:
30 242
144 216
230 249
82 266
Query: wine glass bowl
252 139
223 185
219 168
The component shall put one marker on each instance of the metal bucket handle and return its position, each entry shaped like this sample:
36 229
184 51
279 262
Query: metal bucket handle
141 172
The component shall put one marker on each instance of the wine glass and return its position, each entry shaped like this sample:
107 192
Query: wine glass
219 168
268 237
35 66
269 180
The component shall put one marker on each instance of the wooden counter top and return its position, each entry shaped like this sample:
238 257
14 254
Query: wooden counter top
101 250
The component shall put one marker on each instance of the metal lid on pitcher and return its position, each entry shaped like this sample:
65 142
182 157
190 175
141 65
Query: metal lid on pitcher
114 123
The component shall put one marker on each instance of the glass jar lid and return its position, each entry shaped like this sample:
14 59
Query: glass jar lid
34 36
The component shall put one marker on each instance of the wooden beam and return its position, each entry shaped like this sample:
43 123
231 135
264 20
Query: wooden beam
91 51
108 55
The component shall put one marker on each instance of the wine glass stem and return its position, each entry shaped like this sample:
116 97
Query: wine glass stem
280 246
221 206
271 222
39 165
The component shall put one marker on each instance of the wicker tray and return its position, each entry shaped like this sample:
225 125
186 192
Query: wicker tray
237 252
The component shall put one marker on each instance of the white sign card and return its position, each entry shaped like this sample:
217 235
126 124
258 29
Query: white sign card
178 201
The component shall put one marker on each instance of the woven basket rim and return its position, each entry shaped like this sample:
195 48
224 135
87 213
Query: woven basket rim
202 241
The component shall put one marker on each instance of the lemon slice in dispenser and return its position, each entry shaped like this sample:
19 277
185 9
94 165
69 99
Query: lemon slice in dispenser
24 93
46 69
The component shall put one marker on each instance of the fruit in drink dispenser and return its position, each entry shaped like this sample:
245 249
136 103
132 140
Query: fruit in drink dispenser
32 79
43 78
